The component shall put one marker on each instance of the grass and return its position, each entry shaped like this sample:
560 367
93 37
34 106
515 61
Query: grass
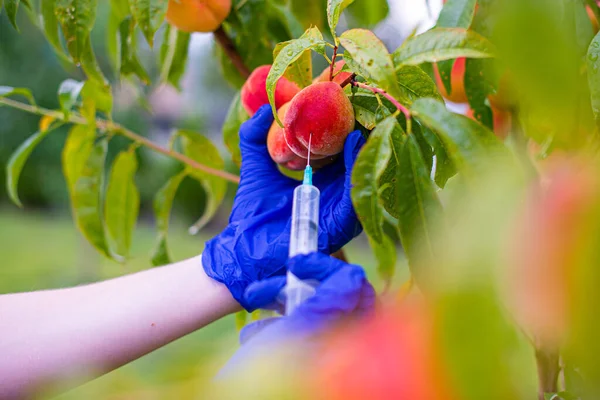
40 251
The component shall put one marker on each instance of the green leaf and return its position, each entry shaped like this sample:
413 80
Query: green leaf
202 150
76 17
284 14
163 202
83 166
371 55
120 8
419 208
334 9
583 26
368 109
68 94
130 63
593 67
414 83
50 24
443 44
6 91
368 12
236 116
389 177
309 12
311 40
12 6
299 71
149 15
17 162
97 96
468 144
478 89
444 167
122 202
457 14
368 168
173 55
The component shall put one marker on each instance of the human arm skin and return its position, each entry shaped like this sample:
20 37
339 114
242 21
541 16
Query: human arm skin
89 330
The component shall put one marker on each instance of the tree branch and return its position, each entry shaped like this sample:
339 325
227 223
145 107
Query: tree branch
548 370
119 129
335 49
348 80
229 48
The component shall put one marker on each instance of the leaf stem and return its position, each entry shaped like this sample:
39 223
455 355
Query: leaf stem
117 128
385 94
335 49
231 51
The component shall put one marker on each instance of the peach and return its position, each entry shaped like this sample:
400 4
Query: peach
281 153
458 94
254 91
322 111
338 76
549 243
197 15
394 355
592 18
502 121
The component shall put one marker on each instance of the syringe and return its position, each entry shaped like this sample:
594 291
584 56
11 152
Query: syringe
304 235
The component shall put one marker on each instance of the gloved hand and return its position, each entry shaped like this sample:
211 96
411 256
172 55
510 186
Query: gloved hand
343 293
254 245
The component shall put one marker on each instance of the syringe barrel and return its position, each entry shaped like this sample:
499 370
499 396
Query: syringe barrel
304 235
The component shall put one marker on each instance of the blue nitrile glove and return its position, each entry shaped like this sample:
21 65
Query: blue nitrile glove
254 245
344 293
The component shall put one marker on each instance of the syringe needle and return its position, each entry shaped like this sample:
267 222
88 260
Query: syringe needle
309 143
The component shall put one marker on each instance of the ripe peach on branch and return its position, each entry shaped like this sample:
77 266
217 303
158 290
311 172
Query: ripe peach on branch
197 15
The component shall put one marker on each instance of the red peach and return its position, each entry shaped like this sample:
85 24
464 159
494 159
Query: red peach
593 18
338 76
457 76
392 356
197 15
502 122
254 91
551 236
281 153
322 114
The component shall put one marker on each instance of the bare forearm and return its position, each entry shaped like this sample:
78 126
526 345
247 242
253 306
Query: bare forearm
90 330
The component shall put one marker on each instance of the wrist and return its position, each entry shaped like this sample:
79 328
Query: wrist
221 265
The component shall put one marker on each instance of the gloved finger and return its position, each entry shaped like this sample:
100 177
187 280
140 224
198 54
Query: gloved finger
338 295
253 144
254 131
263 293
316 266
